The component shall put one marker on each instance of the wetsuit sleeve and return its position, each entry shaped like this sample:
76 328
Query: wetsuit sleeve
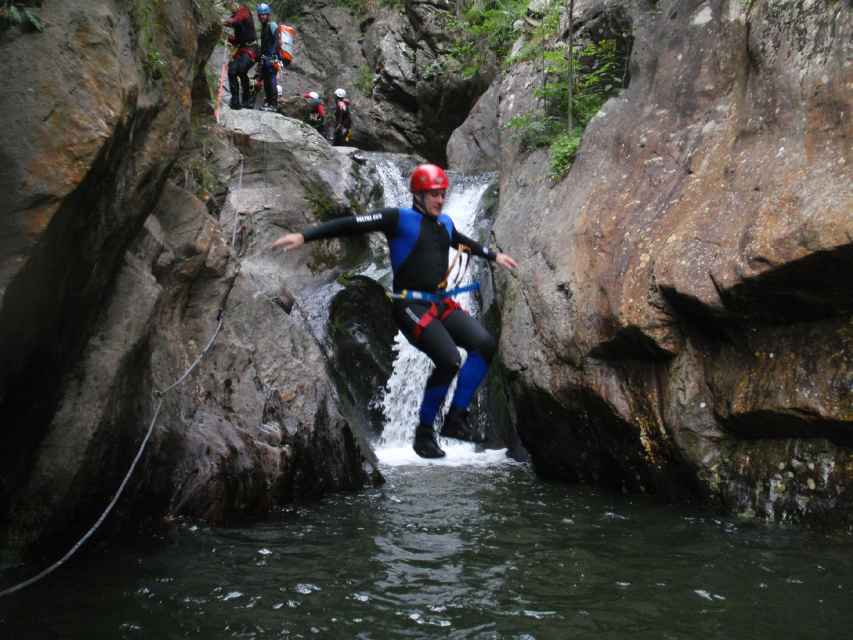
476 248
384 220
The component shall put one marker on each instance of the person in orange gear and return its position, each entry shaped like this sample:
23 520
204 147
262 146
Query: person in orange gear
419 240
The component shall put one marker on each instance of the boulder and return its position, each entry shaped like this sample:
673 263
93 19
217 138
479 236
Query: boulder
92 124
474 147
362 332
254 420
676 326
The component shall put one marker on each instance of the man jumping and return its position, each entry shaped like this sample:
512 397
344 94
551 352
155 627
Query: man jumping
419 239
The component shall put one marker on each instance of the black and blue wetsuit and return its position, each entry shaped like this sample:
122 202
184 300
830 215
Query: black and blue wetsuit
420 247
268 57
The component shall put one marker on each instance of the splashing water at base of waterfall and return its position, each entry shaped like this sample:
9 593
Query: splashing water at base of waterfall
411 367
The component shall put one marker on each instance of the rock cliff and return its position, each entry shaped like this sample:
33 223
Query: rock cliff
114 279
681 323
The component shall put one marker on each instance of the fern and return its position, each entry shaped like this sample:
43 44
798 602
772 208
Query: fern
14 15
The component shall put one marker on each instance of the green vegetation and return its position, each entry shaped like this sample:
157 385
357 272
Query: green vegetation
323 207
534 130
364 80
434 69
362 7
145 15
539 38
195 169
597 71
286 10
563 150
198 175
484 27
15 14
212 77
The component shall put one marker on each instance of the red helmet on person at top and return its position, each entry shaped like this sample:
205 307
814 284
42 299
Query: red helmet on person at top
427 177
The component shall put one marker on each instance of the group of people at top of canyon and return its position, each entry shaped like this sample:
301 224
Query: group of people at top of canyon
270 56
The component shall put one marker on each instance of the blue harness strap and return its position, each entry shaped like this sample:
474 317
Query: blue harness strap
424 296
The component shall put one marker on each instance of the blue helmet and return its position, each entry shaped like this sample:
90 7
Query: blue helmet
263 9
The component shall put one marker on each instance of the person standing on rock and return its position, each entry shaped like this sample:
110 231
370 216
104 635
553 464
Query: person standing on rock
343 118
269 64
419 239
244 41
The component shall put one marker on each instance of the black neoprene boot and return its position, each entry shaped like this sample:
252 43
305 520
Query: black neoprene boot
235 102
456 426
426 444
248 98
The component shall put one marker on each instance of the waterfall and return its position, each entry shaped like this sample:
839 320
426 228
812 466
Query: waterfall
411 367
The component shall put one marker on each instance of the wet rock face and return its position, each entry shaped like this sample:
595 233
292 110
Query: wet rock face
676 326
256 423
362 332
90 127
474 147
407 91
259 425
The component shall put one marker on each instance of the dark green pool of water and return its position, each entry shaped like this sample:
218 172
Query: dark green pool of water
457 552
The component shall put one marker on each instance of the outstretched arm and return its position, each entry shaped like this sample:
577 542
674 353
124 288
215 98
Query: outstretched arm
384 220
484 252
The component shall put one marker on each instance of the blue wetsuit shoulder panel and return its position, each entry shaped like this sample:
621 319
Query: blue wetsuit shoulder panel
447 223
405 236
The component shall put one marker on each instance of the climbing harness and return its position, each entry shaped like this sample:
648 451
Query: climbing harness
424 296
450 305
457 260
443 292
443 295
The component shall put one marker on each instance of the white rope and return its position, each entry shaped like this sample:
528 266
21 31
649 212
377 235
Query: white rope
236 211
158 396
88 534
197 360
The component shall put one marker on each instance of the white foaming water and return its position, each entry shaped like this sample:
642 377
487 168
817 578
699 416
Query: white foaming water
393 179
411 367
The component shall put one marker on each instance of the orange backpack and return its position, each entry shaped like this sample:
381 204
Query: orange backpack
284 41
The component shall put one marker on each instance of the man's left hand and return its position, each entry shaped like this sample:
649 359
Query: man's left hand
506 261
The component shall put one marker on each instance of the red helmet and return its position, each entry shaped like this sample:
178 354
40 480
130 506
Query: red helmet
427 177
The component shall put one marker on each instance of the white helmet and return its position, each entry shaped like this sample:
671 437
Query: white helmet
340 93
313 95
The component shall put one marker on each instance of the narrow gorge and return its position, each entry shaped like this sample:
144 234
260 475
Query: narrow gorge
675 347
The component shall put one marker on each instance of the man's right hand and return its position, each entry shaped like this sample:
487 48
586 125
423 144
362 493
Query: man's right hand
289 241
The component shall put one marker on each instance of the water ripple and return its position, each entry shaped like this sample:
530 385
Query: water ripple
458 552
